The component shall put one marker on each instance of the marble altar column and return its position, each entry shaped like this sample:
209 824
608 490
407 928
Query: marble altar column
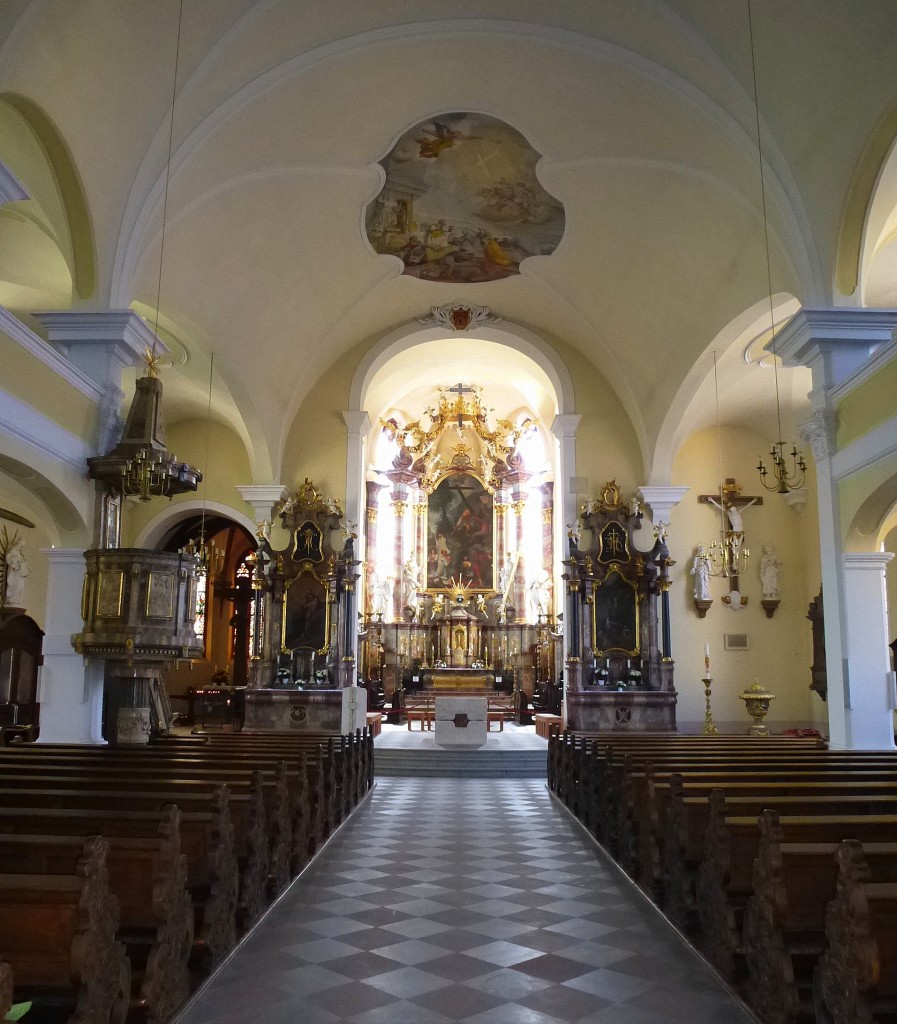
419 543
371 550
518 589
547 496
501 533
399 497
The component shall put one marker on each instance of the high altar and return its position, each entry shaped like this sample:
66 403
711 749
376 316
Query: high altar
438 618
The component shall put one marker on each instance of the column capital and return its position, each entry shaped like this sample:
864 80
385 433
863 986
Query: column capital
819 432
357 423
833 342
565 424
661 500
262 498
64 556
101 343
867 561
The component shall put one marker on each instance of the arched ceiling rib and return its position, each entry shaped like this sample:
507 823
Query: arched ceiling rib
643 113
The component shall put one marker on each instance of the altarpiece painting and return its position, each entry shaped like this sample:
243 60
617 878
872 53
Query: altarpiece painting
460 534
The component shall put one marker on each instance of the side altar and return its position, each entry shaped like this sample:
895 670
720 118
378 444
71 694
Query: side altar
619 669
302 667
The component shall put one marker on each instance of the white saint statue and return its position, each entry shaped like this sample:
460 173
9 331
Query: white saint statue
380 594
540 594
700 569
769 572
574 532
410 583
16 569
505 575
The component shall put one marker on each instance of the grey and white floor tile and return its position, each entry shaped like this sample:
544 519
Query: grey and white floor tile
463 900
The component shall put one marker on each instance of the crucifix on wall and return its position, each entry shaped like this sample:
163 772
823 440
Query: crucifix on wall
732 503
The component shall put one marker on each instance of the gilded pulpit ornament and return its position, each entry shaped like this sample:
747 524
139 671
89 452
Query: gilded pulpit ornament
461 202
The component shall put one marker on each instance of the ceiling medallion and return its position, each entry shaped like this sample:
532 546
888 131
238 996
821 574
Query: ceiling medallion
459 316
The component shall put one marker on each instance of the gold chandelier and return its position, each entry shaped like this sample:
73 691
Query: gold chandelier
459 408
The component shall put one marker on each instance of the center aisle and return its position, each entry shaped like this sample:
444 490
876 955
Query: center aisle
469 900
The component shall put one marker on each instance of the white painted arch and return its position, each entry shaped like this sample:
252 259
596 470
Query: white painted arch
154 531
410 336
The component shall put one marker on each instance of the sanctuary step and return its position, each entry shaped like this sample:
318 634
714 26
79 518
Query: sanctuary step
479 764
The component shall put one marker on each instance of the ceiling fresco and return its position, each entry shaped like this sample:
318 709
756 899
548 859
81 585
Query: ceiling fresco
462 203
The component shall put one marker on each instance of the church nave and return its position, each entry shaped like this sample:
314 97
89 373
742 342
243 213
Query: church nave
474 900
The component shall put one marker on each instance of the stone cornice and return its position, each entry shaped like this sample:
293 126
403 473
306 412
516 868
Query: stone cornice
35 345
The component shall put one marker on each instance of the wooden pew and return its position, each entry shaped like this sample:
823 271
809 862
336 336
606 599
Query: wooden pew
723 883
267 825
856 979
784 921
6 986
676 811
206 840
57 933
248 813
148 877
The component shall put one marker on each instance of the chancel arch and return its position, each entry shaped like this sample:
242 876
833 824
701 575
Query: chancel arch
460 476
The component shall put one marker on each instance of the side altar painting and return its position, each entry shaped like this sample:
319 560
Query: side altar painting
461 201
460 535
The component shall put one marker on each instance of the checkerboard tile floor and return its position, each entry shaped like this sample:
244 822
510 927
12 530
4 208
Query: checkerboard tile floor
463 900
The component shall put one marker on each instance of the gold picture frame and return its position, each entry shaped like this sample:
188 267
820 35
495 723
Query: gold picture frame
308 624
110 592
616 625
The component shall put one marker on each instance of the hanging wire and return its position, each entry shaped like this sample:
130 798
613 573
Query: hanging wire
719 448
205 479
772 321
174 92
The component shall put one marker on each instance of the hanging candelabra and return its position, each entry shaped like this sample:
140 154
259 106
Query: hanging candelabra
785 479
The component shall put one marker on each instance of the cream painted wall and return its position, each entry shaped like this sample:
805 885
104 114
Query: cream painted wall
316 444
780 648
859 526
871 404
606 444
226 466
33 382
17 498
